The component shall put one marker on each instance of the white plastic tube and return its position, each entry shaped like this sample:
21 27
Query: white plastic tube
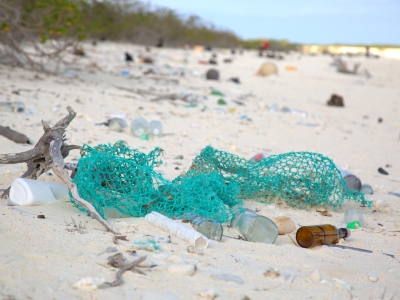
187 234
36 192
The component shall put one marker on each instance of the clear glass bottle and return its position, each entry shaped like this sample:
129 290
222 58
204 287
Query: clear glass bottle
155 128
139 127
317 235
254 228
209 228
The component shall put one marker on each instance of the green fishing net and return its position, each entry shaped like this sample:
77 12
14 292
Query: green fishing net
300 179
120 178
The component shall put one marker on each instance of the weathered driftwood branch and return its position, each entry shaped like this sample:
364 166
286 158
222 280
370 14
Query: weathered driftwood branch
342 67
58 169
38 159
49 153
130 266
13 135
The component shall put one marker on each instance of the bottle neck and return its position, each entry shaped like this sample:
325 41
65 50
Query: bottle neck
343 233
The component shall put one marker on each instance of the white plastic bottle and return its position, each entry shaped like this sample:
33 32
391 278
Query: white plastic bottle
155 128
139 127
36 192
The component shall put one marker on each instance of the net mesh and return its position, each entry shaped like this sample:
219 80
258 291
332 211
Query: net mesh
121 178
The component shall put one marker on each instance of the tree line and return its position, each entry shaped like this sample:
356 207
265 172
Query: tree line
59 24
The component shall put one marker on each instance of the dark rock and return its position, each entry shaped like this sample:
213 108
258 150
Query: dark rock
336 100
234 80
128 57
383 171
212 74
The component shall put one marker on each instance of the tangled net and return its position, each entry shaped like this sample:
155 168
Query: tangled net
121 178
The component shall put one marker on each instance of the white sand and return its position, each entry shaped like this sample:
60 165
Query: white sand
40 259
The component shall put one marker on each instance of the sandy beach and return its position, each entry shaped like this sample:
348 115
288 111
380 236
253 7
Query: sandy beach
44 258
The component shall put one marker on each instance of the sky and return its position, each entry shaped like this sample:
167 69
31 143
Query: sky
302 21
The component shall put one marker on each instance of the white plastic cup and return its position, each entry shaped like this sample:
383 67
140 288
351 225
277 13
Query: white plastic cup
36 192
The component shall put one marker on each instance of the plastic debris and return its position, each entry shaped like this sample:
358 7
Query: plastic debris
228 277
353 225
354 215
217 93
148 245
394 194
89 283
185 233
221 102
257 157
366 189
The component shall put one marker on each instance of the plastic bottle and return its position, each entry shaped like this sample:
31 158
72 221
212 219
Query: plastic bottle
209 228
354 215
36 192
317 235
139 127
254 228
155 128
352 181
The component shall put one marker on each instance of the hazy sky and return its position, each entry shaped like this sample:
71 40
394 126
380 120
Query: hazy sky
303 21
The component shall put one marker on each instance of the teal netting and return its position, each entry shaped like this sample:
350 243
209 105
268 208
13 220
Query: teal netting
118 177
121 178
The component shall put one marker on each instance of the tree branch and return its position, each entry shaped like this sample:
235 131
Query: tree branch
58 169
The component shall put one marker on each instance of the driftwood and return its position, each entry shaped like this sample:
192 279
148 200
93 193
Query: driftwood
49 153
13 135
342 67
118 261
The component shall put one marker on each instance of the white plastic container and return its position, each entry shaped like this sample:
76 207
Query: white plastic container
36 192
139 127
187 234
155 128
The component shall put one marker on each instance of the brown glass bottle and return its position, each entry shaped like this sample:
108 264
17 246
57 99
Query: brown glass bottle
317 235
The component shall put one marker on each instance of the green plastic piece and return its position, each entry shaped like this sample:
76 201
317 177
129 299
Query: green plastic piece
354 225
191 105
145 137
120 178
216 93
221 102
148 245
